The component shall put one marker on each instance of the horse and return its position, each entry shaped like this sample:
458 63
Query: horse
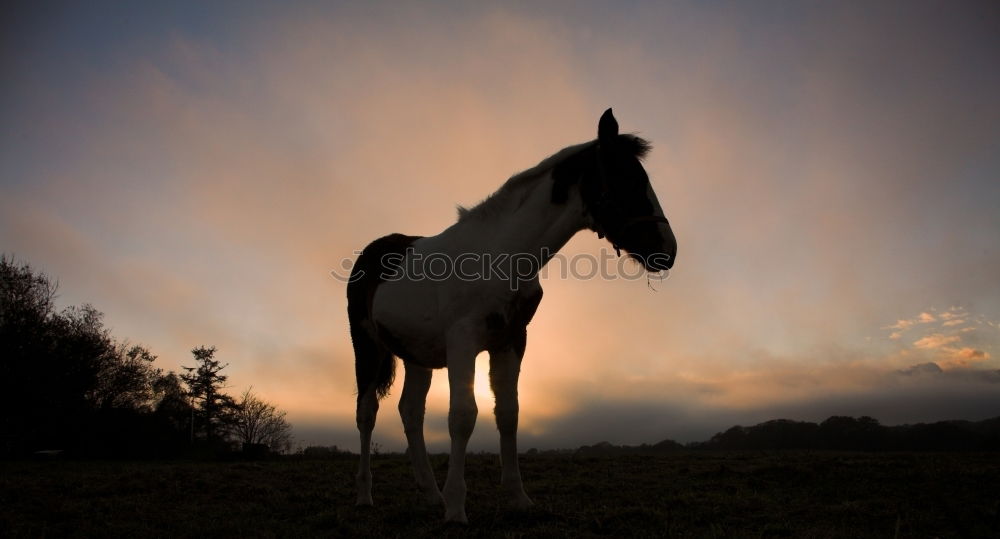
439 301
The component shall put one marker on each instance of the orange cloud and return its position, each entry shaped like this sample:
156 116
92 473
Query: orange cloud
903 325
900 324
953 312
963 357
936 341
941 347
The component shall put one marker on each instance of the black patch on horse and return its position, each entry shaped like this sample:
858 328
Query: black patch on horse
585 167
612 185
509 329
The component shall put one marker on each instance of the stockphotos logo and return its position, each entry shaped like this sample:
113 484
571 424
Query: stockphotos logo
513 268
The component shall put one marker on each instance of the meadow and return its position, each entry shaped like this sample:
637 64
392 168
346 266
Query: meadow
688 494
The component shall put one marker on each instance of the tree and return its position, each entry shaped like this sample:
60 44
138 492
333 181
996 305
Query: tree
169 396
842 432
26 298
259 422
51 364
67 383
26 309
127 381
205 384
171 403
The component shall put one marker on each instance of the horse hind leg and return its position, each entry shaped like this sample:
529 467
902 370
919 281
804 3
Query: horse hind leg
367 410
374 369
412 405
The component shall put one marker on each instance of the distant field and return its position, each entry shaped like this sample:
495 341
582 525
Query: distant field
691 494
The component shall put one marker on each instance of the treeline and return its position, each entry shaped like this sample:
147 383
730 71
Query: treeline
836 433
67 384
861 434
609 449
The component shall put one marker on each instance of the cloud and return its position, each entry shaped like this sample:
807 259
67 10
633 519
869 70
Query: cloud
903 325
949 346
963 357
900 324
923 369
936 341
953 312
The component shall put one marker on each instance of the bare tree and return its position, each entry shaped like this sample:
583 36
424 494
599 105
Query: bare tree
259 422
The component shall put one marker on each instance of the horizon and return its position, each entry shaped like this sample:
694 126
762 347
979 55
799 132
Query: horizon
832 173
690 445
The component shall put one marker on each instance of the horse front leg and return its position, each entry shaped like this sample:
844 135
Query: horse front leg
505 367
462 412
412 405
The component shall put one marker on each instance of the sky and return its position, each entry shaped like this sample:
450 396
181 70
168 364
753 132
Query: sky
831 171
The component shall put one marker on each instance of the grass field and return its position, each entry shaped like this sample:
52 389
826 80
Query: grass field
690 494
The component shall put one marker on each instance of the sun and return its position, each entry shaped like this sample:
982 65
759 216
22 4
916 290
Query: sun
481 385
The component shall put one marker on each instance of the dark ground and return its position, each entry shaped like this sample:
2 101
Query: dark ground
791 494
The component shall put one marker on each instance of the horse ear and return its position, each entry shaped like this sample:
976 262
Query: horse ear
607 128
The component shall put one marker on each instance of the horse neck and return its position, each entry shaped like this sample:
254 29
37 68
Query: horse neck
538 226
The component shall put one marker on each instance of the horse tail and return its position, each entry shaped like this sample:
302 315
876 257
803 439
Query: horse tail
374 363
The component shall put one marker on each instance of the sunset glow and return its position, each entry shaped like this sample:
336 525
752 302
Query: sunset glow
831 172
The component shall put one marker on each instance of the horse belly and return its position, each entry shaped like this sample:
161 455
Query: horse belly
405 318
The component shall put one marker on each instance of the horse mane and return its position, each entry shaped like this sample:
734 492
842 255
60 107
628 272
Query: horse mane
513 192
636 145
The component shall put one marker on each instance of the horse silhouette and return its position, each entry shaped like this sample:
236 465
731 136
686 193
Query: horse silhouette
438 301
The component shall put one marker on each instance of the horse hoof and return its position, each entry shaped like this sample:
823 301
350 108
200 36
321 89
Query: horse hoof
521 502
456 516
